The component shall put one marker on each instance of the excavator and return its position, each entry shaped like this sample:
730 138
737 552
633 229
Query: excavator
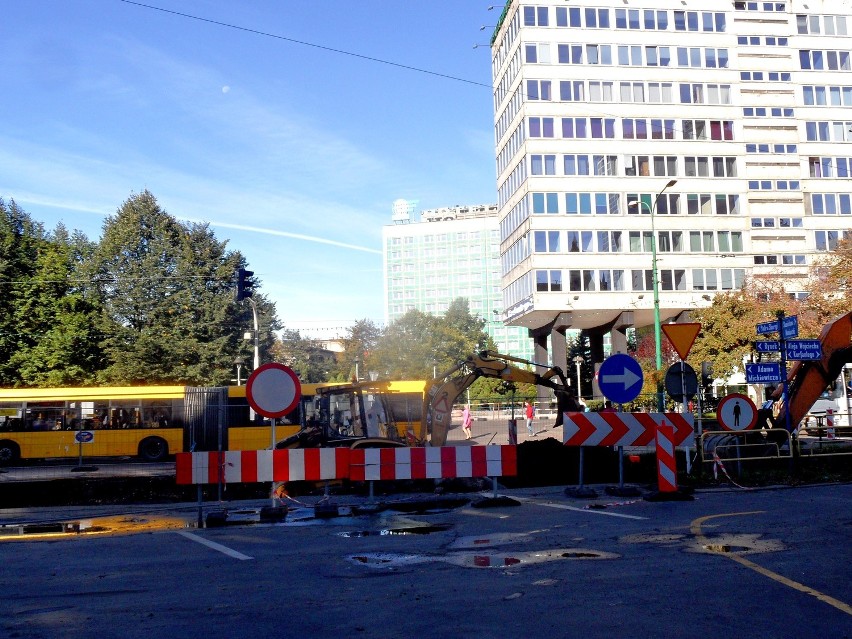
444 390
807 380
386 413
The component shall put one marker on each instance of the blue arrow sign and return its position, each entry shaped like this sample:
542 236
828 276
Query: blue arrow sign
769 373
767 327
770 346
804 349
620 378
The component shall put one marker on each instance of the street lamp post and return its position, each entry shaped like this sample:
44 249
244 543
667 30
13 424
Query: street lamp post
578 360
656 286
238 362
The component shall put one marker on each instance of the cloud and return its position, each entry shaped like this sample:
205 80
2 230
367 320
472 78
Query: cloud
296 236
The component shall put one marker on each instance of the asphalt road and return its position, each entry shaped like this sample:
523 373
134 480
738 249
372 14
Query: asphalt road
761 563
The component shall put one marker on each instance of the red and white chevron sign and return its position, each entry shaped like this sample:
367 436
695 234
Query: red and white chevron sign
623 429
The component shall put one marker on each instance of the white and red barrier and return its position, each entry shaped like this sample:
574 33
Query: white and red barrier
251 466
624 429
363 464
433 463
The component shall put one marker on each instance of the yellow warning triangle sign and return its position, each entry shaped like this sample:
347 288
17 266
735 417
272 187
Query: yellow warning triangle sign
682 336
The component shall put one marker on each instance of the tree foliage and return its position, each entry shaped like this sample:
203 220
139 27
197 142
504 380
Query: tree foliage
418 344
166 291
307 357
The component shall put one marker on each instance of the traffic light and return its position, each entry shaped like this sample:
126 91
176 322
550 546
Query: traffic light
706 373
245 288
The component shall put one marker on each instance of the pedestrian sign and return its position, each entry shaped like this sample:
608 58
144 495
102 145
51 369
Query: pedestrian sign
736 412
682 336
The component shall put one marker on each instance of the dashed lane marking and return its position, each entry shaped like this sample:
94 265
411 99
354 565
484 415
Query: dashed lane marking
550 504
214 546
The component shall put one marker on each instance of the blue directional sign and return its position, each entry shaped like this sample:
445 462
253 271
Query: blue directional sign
767 327
769 346
804 349
769 373
620 378
791 327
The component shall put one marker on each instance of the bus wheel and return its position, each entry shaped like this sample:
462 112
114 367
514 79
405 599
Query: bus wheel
153 449
9 452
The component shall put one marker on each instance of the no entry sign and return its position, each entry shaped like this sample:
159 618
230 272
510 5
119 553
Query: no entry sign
273 390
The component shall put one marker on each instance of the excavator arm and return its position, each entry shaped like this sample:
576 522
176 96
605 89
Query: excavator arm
442 393
807 380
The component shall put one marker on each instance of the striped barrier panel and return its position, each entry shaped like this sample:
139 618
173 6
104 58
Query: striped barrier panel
362 464
666 468
624 429
433 463
252 466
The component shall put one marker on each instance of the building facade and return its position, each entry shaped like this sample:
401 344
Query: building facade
449 253
701 143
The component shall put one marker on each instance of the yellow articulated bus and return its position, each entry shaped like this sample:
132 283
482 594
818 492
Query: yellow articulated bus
149 422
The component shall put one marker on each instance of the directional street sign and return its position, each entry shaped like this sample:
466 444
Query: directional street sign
804 349
623 429
790 328
767 327
620 378
769 346
768 373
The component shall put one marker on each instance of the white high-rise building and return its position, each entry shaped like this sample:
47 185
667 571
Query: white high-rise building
716 136
450 252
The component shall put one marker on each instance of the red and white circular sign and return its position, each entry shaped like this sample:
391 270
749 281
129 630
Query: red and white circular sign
273 390
736 412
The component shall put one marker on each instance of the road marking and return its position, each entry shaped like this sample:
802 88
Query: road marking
695 528
212 544
594 511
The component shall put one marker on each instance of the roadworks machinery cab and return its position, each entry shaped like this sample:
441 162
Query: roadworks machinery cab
361 415
443 391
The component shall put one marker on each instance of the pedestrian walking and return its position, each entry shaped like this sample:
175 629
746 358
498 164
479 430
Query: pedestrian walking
466 421
529 413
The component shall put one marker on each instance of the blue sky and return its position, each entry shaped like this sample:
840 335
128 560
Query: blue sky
294 154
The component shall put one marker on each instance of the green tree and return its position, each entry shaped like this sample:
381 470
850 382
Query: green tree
307 357
20 241
166 290
359 344
59 317
416 344
728 325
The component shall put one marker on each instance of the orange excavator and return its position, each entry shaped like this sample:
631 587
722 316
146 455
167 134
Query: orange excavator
808 379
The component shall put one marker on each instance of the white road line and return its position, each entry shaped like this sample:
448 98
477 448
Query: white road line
212 544
593 511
